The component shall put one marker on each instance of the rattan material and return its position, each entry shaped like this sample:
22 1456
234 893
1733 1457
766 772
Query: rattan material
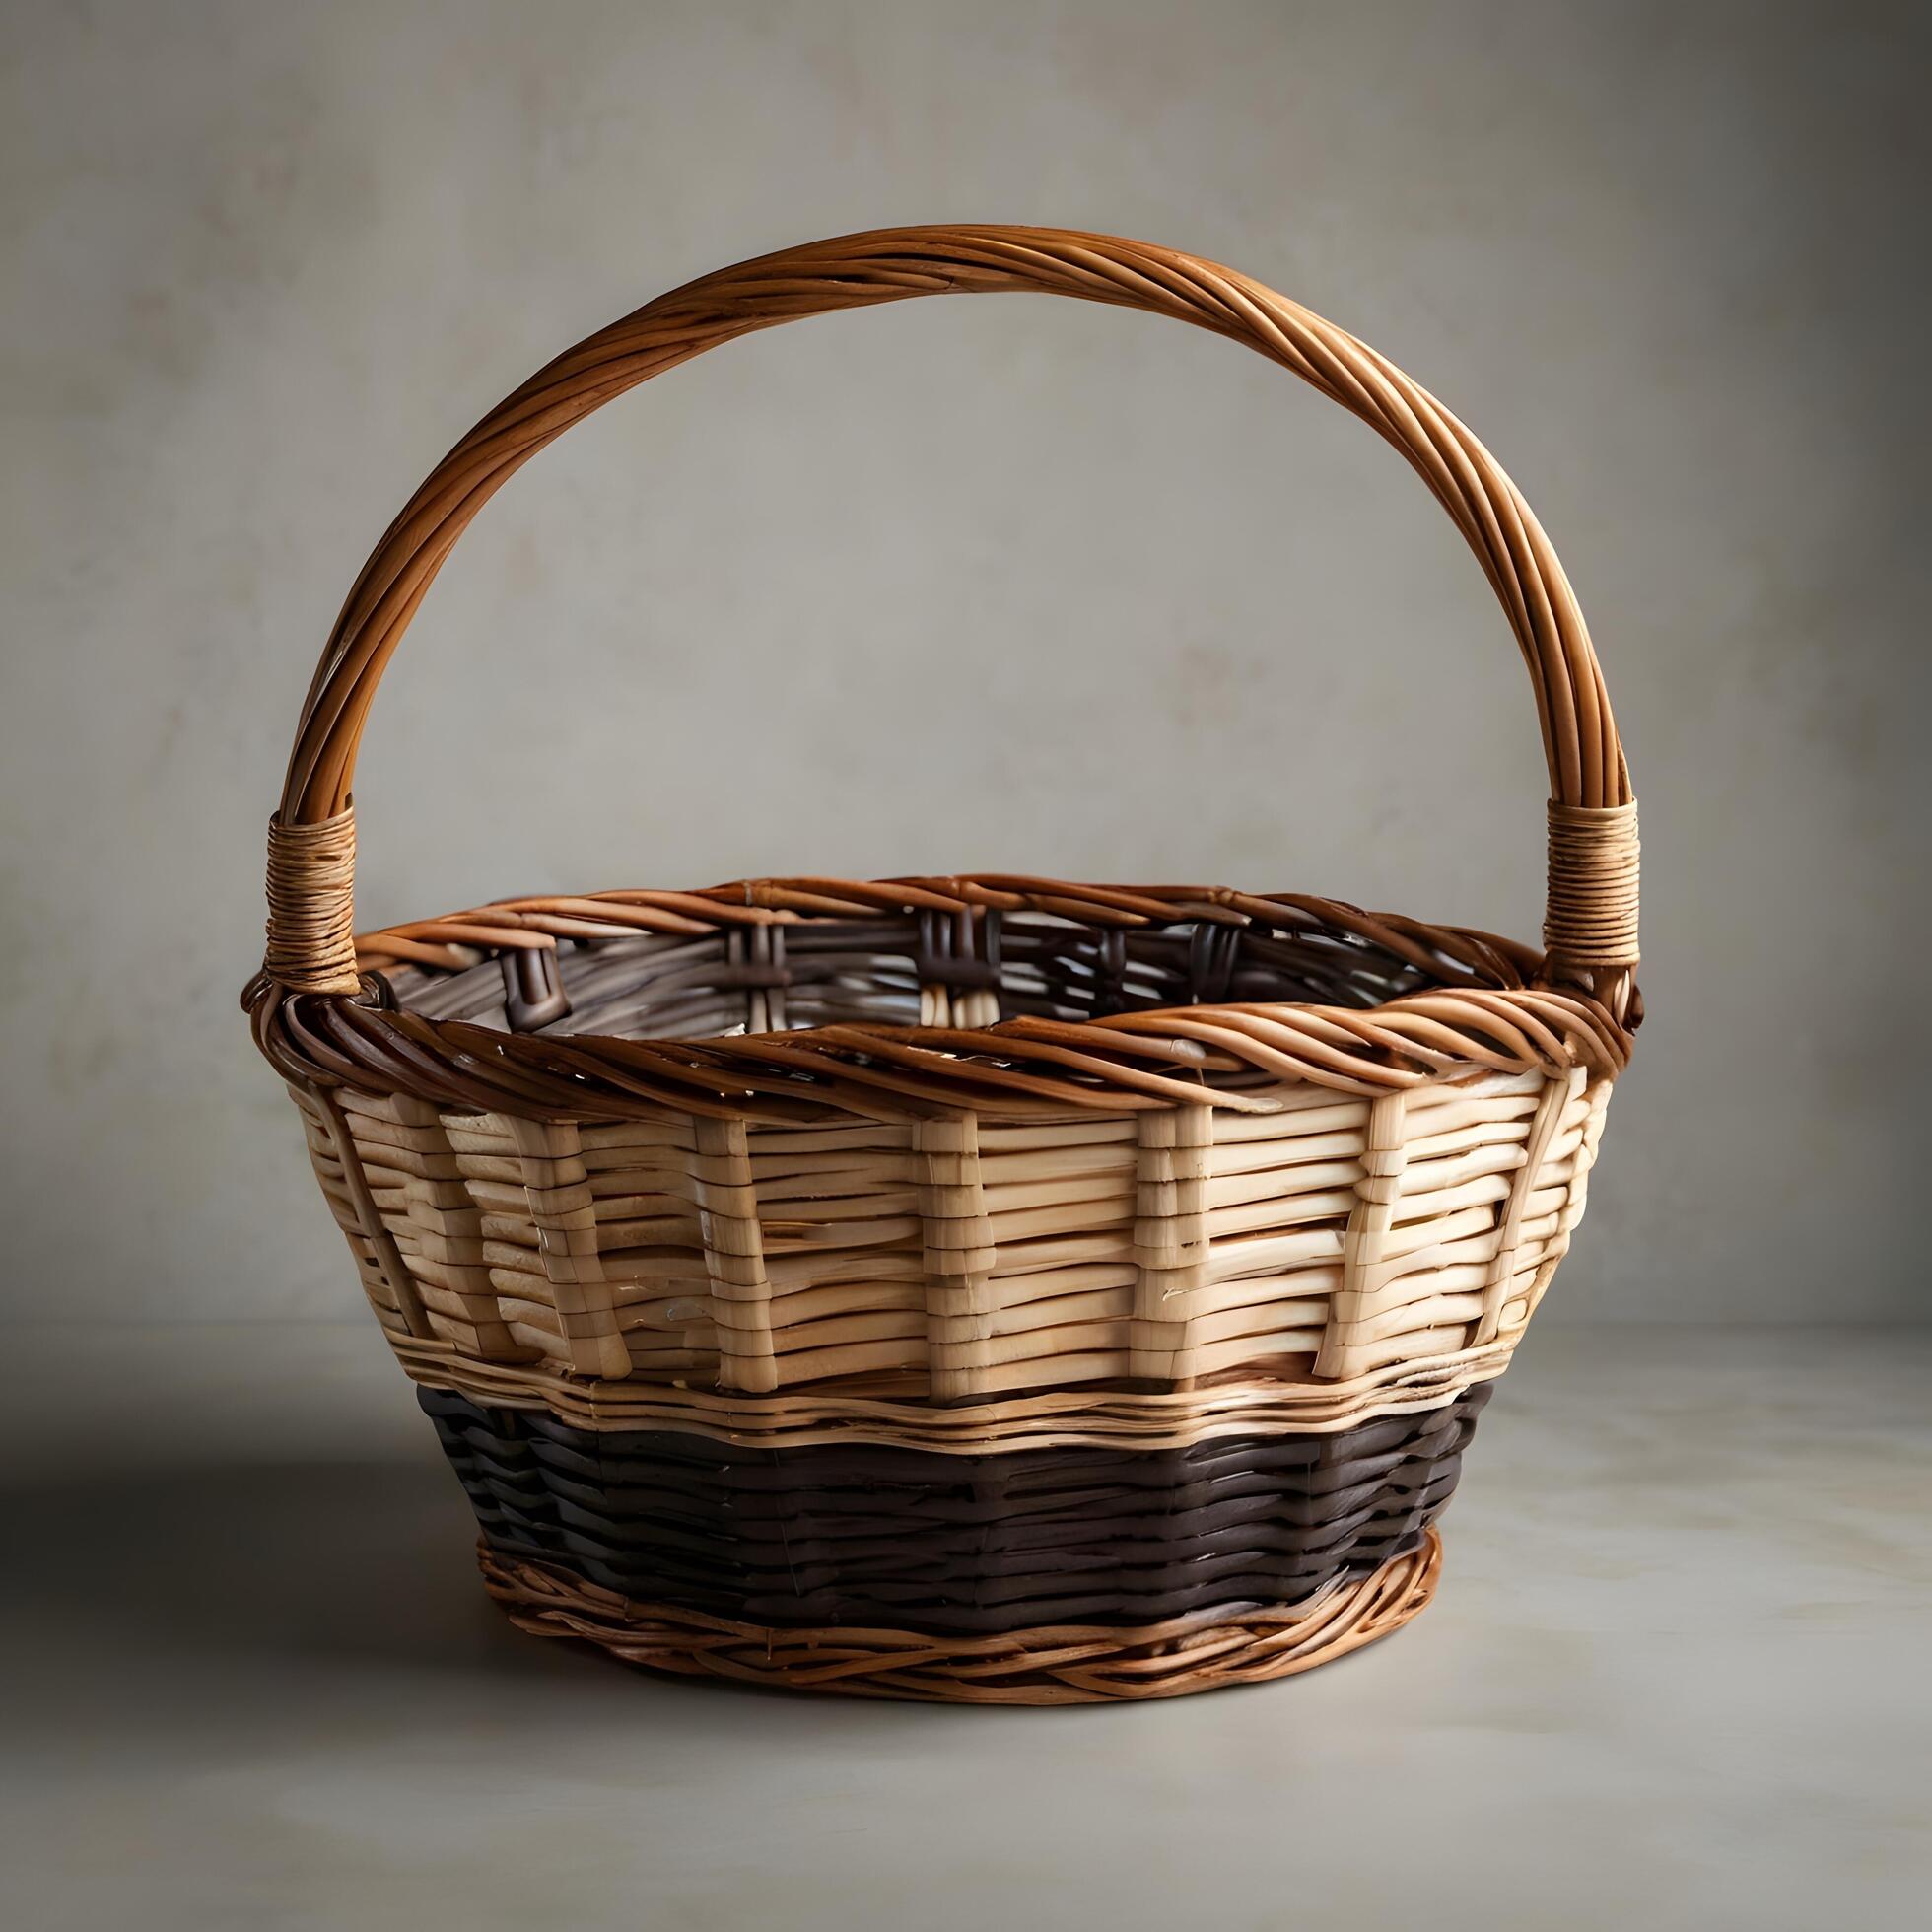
956 1166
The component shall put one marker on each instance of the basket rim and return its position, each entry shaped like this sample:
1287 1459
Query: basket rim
1489 1011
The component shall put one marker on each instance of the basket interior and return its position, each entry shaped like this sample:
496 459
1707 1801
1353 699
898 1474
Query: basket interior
916 968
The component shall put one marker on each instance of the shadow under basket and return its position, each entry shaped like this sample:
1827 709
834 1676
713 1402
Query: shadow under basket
983 1288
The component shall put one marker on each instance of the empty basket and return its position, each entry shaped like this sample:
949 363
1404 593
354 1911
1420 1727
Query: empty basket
969 1287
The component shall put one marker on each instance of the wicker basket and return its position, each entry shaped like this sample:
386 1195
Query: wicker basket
983 1288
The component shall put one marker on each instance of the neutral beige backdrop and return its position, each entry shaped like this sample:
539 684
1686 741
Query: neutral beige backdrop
960 585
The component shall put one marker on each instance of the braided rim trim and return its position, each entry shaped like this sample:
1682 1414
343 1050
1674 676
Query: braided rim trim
1222 1056
1018 1070
1066 1664
1100 1419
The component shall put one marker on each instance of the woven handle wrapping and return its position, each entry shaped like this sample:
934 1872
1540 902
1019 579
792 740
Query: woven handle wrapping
1591 923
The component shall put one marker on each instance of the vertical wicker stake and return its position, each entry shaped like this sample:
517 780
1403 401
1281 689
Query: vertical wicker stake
1591 1098
449 1228
1544 1124
564 1215
735 1257
1142 1254
386 1266
1364 1275
1172 1168
958 1254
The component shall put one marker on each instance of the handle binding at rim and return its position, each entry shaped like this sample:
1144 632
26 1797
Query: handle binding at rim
1591 921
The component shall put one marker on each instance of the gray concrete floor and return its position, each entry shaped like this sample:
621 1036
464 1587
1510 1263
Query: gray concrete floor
1677 1677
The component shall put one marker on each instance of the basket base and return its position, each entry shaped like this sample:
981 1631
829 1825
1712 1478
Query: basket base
1062 1664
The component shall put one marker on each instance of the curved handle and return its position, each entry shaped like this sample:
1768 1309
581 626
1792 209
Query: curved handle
1591 925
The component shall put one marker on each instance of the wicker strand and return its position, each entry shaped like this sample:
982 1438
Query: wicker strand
312 913
1592 918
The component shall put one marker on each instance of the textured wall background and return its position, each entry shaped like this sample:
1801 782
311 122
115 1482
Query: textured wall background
1014 584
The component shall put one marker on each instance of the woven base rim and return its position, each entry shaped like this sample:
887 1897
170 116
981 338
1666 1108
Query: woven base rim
1065 1664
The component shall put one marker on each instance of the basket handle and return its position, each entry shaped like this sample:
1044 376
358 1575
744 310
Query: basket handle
1591 923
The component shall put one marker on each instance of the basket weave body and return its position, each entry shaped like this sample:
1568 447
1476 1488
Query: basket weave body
987 1287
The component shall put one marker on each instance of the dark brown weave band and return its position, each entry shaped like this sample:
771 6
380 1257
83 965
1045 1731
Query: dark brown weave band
870 1535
